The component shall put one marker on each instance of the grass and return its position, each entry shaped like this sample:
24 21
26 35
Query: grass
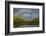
19 21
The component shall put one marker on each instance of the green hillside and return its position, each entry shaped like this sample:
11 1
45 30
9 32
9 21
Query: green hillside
19 21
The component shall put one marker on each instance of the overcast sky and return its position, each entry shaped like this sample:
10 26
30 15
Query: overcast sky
26 12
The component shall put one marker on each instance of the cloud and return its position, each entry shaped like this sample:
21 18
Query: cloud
27 13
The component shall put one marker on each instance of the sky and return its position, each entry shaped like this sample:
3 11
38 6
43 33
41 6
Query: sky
28 13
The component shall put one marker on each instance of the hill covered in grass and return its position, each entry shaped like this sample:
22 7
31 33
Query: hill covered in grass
19 21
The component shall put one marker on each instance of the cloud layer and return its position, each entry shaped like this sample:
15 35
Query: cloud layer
26 12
